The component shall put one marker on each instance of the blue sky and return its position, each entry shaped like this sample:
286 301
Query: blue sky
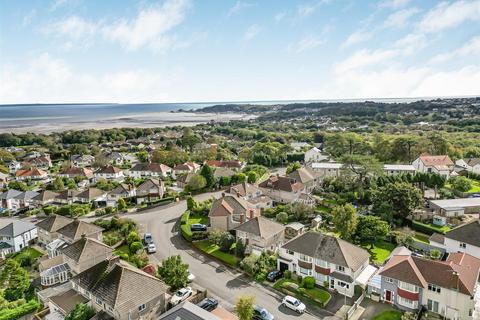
219 50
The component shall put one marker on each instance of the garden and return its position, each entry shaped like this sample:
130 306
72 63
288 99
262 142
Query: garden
379 251
389 315
304 289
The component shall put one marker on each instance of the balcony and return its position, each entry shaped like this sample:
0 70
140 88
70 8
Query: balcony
303 264
325 271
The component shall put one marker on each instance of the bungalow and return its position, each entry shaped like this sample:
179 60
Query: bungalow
82 160
469 164
464 238
116 158
282 189
455 207
315 155
16 235
391 169
91 195
446 288
32 174
150 189
442 164
150 170
62 304
327 169
76 229
307 177
44 197
48 227
74 172
122 291
260 234
229 212
122 191
333 262
109 172
187 167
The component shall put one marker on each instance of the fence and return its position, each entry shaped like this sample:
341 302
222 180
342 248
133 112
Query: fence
355 306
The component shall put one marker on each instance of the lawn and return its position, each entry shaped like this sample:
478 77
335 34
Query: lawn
316 295
28 251
475 187
123 249
389 315
380 251
197 219
420 237
214 250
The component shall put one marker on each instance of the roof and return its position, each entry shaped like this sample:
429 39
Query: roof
9 194
223 172
398 167
456 203
328 248
76 171
152 167
224 163
52 262
45 195
27 195
281 183
68 300
437 238
108 169
188 311
85 248
120 285
53 223
261 227
77 228
472 162
16 228
189 166
34 172
150 183
468 233
302 175
121 189
434 161
459 272
90 194
227 205
242 189
326 165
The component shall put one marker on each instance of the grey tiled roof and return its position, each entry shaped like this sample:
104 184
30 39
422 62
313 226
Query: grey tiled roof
468 233
261 227
77 228
85 247
53 223
16 228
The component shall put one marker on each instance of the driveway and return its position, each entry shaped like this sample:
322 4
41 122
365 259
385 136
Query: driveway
223 283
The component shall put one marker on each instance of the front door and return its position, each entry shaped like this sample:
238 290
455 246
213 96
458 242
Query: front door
332 283
388 295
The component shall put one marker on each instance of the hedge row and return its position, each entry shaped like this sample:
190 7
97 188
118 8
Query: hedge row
24 309
425 228
185 227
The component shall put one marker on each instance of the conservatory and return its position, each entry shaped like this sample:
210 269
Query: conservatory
56 274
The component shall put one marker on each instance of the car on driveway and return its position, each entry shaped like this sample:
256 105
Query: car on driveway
274 275
208 304
151 248
260 313
293 304
181 295
147 238
198 227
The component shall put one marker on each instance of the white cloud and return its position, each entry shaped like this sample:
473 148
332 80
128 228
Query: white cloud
356 38
400 18
364 58
73 27
252 32
447 15
280 16
57 4
411 43
393 4
306 9
472 47
307 43
239 6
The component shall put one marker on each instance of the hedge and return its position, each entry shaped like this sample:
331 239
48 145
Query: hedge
185 217
425 228
11 314
186 231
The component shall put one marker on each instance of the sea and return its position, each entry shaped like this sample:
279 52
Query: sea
47 118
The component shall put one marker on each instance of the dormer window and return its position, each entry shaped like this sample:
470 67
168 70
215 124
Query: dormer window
463 245
142 307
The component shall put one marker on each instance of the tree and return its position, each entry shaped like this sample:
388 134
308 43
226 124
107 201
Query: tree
191 203
252 177
133 237
197 182
121 205
240 248
401 196
370 229
207 173
238 178
215 235
58 184
135 247
361 166
226 242
299 210
460 183
244 307
282 217
15 280
435 254
143 156
81 312
174 272
345 220
292 167
18 185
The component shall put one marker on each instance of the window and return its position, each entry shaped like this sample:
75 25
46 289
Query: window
432 305
407 286
290 252
343 284
307 272
434 288
305 258
142 307
407 302
463 245
389 280
340 268
98 300
321 263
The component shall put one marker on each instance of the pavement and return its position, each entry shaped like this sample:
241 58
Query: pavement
224 284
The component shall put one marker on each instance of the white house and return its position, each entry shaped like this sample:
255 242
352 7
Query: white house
442 164
327 169
16 235
464 238
391 169
469 164
315 155
150 170
109 172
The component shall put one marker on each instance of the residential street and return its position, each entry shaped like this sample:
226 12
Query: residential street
223 283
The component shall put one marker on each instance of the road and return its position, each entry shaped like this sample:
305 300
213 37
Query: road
223 283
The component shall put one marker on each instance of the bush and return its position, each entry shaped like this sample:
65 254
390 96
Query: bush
185 217
287 274
135 247
18 312
109 210
186 232
226 242
308 282
425 228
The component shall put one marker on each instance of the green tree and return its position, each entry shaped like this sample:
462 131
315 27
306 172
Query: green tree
15 280
58 184
435 254
370 229
362 166
121 204
191 203
197 182
133 237
135 247
282 217
292 167
244 307
238 178
252 177
401 196
81 312
174 272
345 220
460 183
143 156
207 173
299 210
18 185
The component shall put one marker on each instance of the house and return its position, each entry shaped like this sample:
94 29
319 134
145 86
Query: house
232 164
223 172
122 191
41 162
244 190
16 235
464 238
187 167
116 158
391 169
73 259
315 155
446 287
149 190
261 202
188 311
229 212
82 160
149 169
67 196
91 195
333 262
326 169
74 172
122 291
9 201
25 199
307 199
13 166
62 304
281 189
183 179
109 172
294 229
442 164
307 177
76 229
32 174
48 227
455 207
4 178
260 234
469 164
44 197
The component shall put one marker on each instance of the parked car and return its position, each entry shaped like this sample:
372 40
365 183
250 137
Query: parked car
198 227
147 238
151 248
181 295
274 275
208 304
260 313
190 277
293 304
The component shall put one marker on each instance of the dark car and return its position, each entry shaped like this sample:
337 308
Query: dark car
208 304
274 275
198 227
260 313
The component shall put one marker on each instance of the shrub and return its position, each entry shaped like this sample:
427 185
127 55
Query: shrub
287 274
226 242
186 232
133 237
135 247
109 210
308 282
185 217
18 312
